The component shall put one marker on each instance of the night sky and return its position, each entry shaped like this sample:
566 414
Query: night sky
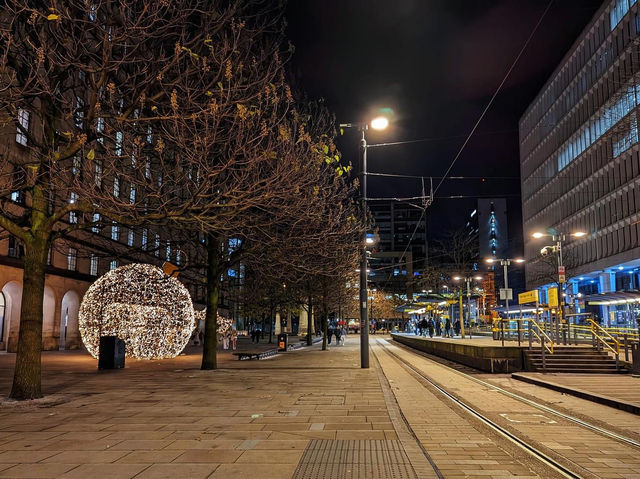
436 63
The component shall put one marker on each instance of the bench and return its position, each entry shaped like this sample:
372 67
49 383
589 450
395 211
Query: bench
255 354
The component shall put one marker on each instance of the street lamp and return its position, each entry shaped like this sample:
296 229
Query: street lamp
467 279
559 238
378 123
505 262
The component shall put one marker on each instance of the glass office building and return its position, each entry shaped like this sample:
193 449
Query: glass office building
580 167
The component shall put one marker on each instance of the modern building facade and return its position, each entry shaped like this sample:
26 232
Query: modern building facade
580 167
402 247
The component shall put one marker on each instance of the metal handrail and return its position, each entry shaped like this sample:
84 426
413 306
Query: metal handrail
596 327
549 347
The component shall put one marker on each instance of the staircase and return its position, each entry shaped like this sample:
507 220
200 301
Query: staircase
572 359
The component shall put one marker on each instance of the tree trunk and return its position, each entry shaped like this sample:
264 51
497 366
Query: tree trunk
310 329
26 378
209 352
325 322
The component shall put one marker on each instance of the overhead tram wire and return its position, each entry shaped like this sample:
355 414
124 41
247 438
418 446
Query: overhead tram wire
484 112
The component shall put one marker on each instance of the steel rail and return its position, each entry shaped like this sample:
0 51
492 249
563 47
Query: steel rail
542 407
515 440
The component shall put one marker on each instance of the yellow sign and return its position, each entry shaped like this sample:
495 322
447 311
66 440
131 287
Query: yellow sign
528 297
553 296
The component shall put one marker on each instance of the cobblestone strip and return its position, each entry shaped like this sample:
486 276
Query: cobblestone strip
422 463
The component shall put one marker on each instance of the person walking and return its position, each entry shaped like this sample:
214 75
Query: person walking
430 326
447 328
234 339
438 327
424 325
456 327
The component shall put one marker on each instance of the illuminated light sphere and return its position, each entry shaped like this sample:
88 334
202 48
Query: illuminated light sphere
224 324
150 311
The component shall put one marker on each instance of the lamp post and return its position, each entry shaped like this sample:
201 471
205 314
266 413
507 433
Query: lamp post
379 123
558 238
505 262
467 279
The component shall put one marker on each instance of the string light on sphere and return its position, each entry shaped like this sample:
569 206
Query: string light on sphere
224 324
150 311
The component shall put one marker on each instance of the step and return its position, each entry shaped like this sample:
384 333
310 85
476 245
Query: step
576 356
577 363
583 371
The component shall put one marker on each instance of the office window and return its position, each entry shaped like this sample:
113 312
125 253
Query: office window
132 194
116 186
157 245
79 114
72 259
147 169
130 237
149 134
113 265
95 219
119 143
100 129
178 257
24 119
145 237
73 216
16 249
114 231
76 165
97 175
168 251
93 265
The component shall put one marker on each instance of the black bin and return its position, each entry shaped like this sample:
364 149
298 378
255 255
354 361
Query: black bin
635 357
283 342
111 355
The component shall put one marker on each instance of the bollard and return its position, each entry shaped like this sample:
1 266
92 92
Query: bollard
635 355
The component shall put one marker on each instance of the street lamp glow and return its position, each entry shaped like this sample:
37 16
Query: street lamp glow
477 278
490 260
578 234
370 240
457 278
537 234
380 123
519 260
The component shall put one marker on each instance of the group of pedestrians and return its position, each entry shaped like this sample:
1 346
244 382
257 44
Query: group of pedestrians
335 329
435 326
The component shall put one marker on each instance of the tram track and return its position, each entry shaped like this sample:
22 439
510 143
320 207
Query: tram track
542 407
529 446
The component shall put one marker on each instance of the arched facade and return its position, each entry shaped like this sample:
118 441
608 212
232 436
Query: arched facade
61 301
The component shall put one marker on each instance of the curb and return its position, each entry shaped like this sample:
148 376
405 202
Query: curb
589 396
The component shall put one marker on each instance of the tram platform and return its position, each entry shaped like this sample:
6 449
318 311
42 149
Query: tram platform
479 352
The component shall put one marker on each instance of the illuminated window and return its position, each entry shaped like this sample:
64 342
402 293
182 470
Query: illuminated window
113 265
72 259
93 265
24 118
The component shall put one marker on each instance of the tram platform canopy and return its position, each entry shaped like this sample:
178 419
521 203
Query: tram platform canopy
613 298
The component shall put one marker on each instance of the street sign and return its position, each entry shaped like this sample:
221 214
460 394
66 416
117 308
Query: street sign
506 293
561 276
553 296
528 297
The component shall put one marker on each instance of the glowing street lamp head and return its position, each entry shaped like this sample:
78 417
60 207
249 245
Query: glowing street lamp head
457 278
537 234
578 234
490 260
477 278
519 260
370 240
380 123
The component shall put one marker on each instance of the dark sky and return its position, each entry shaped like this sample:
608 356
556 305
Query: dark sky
436 63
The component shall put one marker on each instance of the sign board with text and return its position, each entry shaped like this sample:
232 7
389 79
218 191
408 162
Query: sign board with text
553 296
506 293
528 297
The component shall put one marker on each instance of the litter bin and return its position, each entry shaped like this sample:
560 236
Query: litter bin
635 358
282 342
111 355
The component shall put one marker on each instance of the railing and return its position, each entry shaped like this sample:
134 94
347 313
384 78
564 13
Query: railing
537 331
601 337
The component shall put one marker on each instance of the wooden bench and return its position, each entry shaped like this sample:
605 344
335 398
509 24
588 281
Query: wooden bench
255 354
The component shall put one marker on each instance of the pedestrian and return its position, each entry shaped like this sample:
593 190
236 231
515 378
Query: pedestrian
430 326
332 329
226 338
438 327
234 339
447 328
338 333
424 325
194 337
201 336
456 327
